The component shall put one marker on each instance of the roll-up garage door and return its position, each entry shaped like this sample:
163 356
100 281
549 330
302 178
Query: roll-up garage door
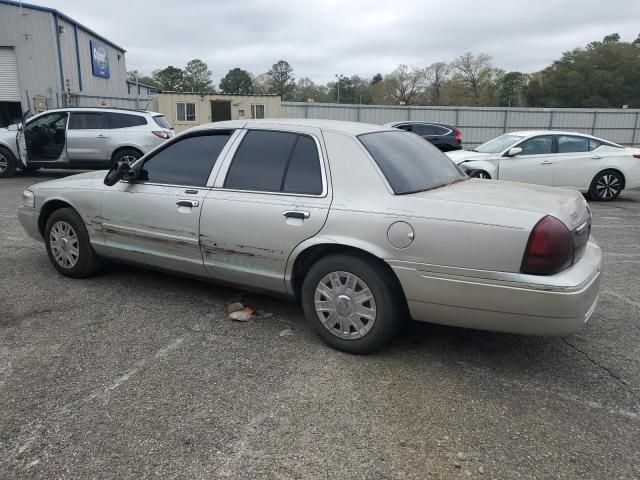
9 86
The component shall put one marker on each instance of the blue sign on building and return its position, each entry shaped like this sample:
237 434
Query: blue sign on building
99 59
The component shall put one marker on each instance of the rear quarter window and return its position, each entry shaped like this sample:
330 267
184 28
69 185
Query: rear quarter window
125 120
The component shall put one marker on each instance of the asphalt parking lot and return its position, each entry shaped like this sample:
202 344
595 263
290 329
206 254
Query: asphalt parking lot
137 374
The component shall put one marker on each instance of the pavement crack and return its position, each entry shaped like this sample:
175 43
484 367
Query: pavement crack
612 373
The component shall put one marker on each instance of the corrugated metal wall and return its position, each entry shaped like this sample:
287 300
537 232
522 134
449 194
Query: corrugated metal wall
480 124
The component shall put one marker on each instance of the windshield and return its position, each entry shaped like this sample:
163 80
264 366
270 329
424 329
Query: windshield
162 122
498 144
409 163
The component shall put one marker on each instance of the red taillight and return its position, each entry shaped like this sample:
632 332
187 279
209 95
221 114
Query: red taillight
161 134
458 137
549 249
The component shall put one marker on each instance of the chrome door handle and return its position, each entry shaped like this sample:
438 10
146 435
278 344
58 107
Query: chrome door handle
596 157
296 214
546 162
101 136
187 203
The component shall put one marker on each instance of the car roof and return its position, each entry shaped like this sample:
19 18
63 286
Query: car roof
101 109
420 122
351 128
529 133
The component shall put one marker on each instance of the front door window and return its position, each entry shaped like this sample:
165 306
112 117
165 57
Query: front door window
45 137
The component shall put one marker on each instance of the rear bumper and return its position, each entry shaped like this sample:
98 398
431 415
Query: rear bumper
28 218
554 305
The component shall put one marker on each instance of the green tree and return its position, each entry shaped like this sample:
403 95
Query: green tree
605 74
197 77
281 79
376 78
237 81
169 79
510 89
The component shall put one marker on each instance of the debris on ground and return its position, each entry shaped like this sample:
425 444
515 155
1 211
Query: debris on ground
287 332
241 313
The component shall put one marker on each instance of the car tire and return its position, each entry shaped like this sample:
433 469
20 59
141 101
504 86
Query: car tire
8 163
480 174
606 186
68 244
128 155
353 303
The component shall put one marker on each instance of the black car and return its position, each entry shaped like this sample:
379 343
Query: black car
445 137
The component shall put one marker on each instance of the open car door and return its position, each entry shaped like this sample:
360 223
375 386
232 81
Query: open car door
20 140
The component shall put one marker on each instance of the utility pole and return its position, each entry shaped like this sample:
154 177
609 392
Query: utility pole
339 77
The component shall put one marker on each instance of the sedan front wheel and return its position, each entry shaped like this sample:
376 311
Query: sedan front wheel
353 303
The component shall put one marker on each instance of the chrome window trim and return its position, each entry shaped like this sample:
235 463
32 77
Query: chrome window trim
224 169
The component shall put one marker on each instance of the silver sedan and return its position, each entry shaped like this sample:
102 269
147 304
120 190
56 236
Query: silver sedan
365 225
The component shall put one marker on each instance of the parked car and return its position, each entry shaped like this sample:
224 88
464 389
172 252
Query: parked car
572 160
81 138
445 137
277 205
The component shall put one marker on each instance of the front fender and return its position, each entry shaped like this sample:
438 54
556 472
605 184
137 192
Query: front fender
490 167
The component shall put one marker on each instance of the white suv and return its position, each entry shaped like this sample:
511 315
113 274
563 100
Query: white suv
81 138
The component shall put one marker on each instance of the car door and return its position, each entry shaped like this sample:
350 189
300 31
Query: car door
43 138
155 220
576 162
533 165
88 137
271 194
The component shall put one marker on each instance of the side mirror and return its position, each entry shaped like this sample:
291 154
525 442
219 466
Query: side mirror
118 172
514 151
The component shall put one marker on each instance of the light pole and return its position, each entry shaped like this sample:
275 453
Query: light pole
339 77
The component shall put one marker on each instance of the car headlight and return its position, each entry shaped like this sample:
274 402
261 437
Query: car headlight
28 199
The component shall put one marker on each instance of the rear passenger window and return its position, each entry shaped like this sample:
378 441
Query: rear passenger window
567 144
87 121
125 120
593 144
186 162
276 162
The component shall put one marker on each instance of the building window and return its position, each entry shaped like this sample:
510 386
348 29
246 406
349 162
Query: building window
185 112
257 110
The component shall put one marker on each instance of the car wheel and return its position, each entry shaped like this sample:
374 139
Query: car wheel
354 304
480 174
128 156
606 186
8 163
68 245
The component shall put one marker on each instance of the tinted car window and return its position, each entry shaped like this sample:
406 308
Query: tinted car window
162 122
303 174
260 162
124 120
423 129
537 145
186 162
593 144
87 121
408 162
406 128
567 144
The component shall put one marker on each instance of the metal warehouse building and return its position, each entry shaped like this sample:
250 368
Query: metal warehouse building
49 60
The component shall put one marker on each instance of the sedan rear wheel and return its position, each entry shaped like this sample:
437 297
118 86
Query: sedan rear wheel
480 174
606 186
353 303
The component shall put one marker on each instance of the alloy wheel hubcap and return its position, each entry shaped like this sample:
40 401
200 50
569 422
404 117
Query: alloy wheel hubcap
607 186
3 163
482 175
345 305
128 159
64 244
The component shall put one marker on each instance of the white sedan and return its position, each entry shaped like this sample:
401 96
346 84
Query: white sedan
572 160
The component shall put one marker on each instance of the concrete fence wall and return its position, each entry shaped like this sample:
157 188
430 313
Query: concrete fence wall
479 124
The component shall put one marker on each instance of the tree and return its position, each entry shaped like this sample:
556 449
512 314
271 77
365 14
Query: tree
474 69
281 79
605 74
169 79
237 81
376 78
511 88
435 75
197 77
404 83
306 90
261 84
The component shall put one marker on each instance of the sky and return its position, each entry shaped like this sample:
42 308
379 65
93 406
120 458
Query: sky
327 37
